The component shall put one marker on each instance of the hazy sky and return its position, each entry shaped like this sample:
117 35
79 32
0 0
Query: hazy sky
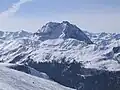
90 15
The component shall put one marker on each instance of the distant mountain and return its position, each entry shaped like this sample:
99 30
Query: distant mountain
67 54
65 30
101 38
14 35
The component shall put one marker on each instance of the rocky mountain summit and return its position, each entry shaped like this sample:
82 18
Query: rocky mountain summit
64 30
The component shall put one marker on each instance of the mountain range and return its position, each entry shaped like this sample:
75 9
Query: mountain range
65 54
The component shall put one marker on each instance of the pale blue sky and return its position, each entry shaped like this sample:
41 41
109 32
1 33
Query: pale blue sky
91 15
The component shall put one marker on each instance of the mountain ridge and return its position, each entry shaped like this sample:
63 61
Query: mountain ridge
30 45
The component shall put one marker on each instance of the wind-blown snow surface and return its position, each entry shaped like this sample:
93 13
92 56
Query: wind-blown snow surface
15 80
55 41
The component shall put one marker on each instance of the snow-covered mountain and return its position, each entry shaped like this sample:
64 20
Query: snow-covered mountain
14 35
55 41
64 30
103 38
66 54
15 80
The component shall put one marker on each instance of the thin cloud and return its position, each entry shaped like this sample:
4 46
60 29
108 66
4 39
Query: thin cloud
11 11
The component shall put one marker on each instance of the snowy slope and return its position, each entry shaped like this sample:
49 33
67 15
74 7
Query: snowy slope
92 56
15 80
26 69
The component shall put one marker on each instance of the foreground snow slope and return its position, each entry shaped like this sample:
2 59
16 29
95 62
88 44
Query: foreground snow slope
15 80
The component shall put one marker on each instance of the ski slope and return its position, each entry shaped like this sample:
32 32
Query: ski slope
15 80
